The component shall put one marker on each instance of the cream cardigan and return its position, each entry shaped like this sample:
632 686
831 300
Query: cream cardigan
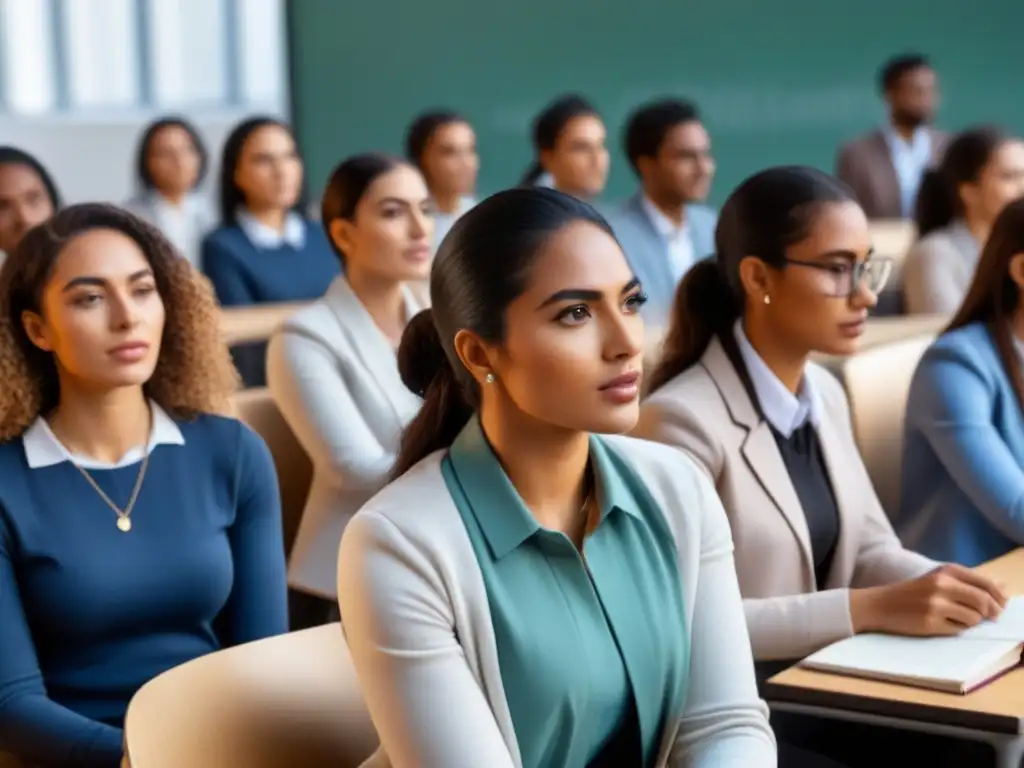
419 628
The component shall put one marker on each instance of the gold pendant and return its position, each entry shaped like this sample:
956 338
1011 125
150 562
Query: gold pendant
124 524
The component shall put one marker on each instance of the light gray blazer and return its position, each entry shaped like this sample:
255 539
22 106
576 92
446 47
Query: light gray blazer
707 412
334 377
185 229
419 629
939 269
648 253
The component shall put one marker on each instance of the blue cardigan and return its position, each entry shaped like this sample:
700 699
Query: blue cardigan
962 496
89 614
243 273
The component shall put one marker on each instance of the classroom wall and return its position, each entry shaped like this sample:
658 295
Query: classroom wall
780 82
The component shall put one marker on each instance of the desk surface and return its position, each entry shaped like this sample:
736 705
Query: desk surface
997 707
240 325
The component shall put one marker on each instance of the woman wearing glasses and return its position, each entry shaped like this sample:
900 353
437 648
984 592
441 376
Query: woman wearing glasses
816 557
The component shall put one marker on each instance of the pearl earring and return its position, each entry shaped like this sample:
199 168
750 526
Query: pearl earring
767 299
490 378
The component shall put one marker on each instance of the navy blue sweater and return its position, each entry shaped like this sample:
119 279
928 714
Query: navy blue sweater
243 273
88 614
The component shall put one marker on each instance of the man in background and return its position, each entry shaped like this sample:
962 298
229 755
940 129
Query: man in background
885 166
664 228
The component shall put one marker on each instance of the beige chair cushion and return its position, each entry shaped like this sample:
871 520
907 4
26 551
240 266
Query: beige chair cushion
294 469
286 702
878 382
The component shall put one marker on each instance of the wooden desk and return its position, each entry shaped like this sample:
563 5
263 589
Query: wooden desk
994 713
242 325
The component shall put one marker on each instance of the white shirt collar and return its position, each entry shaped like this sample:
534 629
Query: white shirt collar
262 236
783 410
43 449
665 226
920 142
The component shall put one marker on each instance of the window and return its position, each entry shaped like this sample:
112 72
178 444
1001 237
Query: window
90 56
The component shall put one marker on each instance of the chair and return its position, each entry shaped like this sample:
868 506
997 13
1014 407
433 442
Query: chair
294 469
878 382
892 239
291 701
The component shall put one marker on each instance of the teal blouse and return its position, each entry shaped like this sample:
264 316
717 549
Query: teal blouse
593 650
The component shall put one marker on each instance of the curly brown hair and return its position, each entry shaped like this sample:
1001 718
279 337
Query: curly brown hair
194 373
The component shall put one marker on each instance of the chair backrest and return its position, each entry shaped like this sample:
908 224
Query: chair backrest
878 383
291 701
294 469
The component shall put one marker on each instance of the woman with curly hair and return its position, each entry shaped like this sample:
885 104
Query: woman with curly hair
139 528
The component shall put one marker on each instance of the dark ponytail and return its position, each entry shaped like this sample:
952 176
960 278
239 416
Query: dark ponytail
533 175
482 266
938 201
766 214
425 370
705 306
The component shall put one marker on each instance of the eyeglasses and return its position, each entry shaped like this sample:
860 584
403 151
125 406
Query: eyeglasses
843 279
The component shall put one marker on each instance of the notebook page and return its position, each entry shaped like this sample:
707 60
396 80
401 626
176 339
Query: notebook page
939 658
1009 625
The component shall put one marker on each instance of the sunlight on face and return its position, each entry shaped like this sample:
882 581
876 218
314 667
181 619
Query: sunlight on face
574 339
101 314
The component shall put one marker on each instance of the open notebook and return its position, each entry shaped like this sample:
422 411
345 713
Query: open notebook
951 664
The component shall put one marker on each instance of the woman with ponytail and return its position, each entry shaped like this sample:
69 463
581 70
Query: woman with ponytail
566 594
816 556
569 146
982 170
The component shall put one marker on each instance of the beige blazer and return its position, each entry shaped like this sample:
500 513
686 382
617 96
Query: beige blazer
866 165
707 412
334 376
419 629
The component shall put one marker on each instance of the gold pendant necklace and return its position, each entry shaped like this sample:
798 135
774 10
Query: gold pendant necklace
124 516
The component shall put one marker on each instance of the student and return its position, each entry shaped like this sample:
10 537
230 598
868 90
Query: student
817 559
138 529
572 593
885 166
664 229
963 455
170 165
332 368
264 250
982 171
442 145
569 144
28 196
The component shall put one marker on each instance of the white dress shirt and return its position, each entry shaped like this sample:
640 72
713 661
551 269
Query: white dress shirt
444 221
783 410
910 159
184 224
262 236
677 239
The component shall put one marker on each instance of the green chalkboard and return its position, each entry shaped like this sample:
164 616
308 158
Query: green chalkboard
778 82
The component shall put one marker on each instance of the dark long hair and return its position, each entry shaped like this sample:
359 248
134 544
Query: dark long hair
938 198
346 186
14 156
142 174
766 214
548 126
481 267
994 298
230 197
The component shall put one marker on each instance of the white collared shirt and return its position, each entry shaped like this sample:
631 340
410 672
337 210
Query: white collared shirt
444 221
783 410
677 239
43 449
262 236
910 159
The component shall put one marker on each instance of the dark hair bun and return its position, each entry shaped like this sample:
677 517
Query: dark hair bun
420 355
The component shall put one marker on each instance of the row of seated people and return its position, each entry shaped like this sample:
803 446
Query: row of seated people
576 598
